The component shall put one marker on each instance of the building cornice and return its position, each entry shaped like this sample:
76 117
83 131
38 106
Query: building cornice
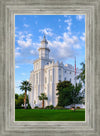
41 59
44 48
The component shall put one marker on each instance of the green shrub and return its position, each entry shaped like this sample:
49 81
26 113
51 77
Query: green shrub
28 107
51 107
19 107
47 107
78 107
72 107
36 107
59 107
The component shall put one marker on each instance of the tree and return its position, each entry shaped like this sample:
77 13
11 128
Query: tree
82 74
77 95
19 100
25 86
82 77
69 94
16 96
64 89
43 97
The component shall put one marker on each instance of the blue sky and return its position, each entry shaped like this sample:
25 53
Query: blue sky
65 35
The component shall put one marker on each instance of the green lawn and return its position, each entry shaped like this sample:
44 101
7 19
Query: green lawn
49 115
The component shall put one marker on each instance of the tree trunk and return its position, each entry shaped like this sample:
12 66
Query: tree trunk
74 107
25 99
42 103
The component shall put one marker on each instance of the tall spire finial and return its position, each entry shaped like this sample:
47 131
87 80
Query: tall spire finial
44 37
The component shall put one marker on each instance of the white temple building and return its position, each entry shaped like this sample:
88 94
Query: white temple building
46 75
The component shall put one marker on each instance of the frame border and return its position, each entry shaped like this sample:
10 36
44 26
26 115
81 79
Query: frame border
89 127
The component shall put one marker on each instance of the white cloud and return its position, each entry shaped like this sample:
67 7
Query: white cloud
77 46
63 47
23 74
66 41
17 83
17 54
40 38
26 43
25 39
26 50
25 25
69 23
79 17
24 60
37 44
82 37
33 52
46 31
17 66
16 35
68 28
18 48
58 37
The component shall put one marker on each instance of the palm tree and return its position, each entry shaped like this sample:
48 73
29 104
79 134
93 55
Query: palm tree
43 97
25 86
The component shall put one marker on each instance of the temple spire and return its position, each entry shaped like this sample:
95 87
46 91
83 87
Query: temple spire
44 49
44 42
44 37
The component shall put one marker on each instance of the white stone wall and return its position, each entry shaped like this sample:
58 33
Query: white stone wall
45 77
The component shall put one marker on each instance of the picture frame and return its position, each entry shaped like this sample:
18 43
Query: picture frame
8 125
